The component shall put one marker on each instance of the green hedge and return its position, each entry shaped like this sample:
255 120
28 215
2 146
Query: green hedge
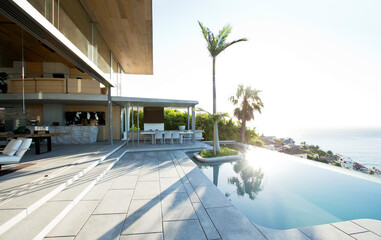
227 129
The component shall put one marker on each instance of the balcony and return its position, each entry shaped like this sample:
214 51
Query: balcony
55 85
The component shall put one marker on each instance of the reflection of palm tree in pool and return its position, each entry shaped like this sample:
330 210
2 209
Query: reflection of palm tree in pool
251 182
216 170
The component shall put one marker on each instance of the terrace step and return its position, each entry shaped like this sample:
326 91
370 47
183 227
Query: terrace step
26 198
37 224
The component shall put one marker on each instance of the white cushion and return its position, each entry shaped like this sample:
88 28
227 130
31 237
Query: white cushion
12 147
9 159
24 146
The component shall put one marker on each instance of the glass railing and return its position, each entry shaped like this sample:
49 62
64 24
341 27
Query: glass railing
71 19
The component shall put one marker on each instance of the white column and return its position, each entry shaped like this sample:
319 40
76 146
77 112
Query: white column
137 120
126 120
110 129
188 119
132 125
194 124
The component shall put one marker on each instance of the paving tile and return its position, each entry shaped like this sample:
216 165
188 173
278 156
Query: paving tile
29 198
73 191
59 238
179 170
11 215
177 206
349 227
370 224
168 170
197 178
125 182
146 190
210 196
325 232
275 234
74 220
127 168
191 193
31 226
144 216
149 236
206 223
231 224
115 201
183 230
98 191
366 236
149 175
171 185
105 227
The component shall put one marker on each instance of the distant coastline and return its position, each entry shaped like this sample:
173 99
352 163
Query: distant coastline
315 153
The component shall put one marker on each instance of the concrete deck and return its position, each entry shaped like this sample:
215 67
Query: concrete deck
159 195
148 146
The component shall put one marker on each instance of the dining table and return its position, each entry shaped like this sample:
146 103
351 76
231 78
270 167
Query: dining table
152 133
183 134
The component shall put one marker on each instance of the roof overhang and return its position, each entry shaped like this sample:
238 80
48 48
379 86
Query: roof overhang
126 26
153 102
93 99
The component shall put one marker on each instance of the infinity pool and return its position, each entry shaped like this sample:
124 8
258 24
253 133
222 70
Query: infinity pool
279 191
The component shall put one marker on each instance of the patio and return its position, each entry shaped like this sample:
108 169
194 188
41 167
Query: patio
138 193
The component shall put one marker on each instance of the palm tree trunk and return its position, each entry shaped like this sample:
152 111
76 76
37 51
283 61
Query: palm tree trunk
243 130
216 143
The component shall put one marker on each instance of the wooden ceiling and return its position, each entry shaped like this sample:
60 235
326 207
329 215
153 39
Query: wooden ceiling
126 26
11 46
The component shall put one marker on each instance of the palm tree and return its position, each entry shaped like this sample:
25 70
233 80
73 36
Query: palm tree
215 45
248 102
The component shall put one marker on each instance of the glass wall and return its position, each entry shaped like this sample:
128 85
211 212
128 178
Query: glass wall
76 25
101 52
72 20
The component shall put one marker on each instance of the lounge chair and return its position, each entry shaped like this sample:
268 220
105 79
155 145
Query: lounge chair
14 151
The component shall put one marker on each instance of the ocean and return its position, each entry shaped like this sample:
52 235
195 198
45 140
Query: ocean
361 145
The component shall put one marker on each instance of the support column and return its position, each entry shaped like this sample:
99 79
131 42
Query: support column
194 124
110 129
132 125
137 121
126 121
128 124
188 119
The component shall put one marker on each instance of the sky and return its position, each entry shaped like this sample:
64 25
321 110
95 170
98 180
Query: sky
317 63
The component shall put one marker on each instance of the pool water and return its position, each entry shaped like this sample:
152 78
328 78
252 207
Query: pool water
280 191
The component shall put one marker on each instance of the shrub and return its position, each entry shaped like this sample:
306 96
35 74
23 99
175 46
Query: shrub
336 164
225 151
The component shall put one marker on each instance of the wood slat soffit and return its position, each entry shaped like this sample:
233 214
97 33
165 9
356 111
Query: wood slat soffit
126 26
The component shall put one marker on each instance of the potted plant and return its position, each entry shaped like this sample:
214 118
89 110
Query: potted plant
3 83
21 129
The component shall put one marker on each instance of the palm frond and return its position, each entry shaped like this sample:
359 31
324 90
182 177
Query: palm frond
217 44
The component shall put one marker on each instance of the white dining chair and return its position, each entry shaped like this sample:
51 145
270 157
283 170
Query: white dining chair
159 136
176 135
168 135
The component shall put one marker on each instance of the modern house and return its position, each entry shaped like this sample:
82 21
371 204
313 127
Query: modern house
67 62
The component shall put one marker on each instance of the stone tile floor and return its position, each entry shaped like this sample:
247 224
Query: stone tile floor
163 195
